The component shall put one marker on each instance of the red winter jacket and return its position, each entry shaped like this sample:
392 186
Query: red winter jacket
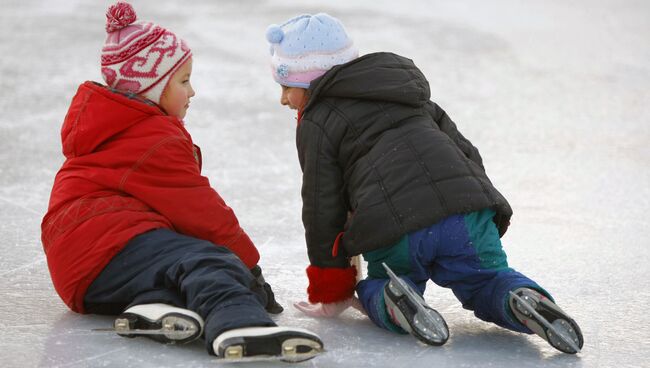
129 168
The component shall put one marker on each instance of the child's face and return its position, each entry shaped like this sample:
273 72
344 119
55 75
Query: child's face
293 97
175 98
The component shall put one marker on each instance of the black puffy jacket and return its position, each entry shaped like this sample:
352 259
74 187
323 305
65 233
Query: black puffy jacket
380 160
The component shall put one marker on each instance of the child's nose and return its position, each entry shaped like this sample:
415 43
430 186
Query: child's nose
284 100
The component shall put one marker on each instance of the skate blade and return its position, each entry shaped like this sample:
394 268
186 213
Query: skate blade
558 329
178 334
432 327
293 351
427 321
172 327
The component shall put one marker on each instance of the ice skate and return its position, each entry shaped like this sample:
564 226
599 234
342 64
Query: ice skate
160 322
546 319
409 310
267 343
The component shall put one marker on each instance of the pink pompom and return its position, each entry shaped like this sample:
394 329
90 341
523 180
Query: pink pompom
119 16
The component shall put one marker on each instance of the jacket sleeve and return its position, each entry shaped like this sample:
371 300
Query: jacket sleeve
167 178
324 213
448 127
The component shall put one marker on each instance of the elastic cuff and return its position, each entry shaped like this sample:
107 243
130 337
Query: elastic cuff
330 285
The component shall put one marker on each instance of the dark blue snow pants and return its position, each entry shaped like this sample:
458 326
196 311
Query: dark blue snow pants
461 252
162 266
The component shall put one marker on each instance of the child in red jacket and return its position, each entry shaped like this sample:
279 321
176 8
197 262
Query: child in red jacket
133 228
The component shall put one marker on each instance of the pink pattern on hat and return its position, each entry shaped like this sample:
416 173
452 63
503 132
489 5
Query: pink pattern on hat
142 67
136 37
109 75
128 85
140 56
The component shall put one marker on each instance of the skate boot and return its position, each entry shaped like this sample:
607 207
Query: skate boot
267 343
546 319
160 322
409 311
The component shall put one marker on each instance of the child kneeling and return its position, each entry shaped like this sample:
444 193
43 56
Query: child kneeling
387 174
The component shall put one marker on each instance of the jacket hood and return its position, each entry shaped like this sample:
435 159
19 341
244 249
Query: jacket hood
379 76
97 113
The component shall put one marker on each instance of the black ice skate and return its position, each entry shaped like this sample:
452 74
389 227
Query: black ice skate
267 343
546 319
160 322
409 310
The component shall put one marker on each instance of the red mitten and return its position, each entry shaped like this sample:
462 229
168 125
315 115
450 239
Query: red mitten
330 285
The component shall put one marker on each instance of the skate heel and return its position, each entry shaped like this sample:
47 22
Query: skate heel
409 310
159 322
546 319
267 343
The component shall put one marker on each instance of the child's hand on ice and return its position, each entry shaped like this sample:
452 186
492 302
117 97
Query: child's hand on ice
328 309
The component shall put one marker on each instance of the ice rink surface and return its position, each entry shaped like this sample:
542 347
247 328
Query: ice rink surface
555 94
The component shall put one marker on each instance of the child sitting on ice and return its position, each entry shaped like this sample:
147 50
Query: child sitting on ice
133 228
387 174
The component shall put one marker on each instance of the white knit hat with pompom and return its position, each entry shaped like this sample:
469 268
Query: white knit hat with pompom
139 57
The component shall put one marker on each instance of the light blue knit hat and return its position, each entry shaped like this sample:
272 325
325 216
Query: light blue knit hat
305 47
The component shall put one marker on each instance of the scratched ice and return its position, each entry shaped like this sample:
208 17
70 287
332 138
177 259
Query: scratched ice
551 92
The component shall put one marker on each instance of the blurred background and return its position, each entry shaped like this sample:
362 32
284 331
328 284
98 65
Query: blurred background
553 93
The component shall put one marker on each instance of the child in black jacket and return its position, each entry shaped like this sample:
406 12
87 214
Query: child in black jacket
386 174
